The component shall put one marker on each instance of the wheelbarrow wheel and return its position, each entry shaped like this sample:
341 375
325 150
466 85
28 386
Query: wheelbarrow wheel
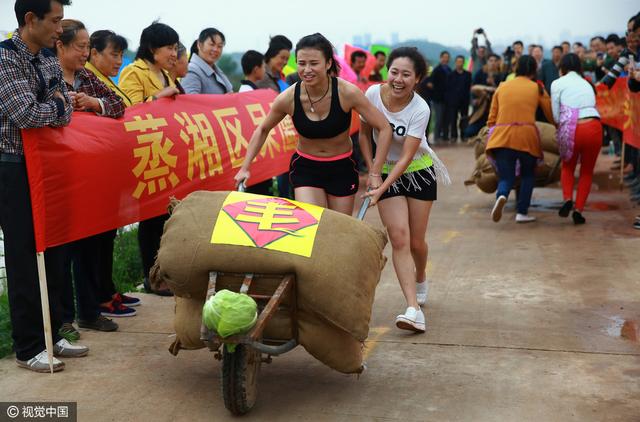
240 371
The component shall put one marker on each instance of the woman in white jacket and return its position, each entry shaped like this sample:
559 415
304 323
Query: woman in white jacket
579 134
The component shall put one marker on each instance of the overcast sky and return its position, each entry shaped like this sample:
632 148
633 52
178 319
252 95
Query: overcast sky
247 24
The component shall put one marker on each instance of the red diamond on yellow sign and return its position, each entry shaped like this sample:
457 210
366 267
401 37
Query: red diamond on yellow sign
266 220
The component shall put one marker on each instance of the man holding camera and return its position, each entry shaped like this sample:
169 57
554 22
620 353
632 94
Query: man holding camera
479 54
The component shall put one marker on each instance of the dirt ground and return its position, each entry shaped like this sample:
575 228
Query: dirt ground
524 324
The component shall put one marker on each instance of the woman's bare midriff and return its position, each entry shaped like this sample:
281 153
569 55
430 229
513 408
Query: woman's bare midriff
587 119
326 148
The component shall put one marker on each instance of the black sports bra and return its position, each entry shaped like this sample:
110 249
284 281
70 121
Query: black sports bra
334 124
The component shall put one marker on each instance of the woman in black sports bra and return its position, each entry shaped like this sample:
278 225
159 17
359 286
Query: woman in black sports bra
322 170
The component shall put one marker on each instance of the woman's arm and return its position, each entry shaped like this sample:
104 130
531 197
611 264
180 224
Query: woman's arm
170 91
555 100
191 83
409 149
131 85
276 114
545 103
100 99
364 139
415 131
376 120
493 112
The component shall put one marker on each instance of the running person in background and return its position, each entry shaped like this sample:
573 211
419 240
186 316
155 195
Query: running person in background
409 177
322 170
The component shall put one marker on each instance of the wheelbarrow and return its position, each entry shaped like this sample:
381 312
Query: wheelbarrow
242 355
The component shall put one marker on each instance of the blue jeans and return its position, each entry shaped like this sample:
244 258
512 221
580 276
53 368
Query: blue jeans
442 125
506 159
474 128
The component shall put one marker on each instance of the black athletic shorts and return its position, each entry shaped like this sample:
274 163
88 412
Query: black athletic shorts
338 176
418 185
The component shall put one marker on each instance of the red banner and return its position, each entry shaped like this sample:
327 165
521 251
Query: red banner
98 174
610 103
631 128
620 108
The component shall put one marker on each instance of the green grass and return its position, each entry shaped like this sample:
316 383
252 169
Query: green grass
5 326
127 264
127 275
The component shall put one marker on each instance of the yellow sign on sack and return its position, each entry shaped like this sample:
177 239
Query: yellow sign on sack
267 222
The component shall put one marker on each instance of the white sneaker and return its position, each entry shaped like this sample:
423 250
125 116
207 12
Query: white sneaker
40 363
524 218
496 212
422 290
412 320
67 350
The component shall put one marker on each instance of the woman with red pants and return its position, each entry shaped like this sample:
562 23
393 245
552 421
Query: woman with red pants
579 135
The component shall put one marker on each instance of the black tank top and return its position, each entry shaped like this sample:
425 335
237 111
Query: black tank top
334 124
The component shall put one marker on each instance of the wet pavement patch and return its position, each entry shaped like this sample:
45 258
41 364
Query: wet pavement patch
630 330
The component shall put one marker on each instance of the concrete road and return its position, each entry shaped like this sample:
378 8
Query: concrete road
524 324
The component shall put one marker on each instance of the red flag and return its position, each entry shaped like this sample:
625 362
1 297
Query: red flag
610 103
368 67
631 126
98 174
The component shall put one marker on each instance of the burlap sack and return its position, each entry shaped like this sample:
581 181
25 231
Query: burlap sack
548 137
186 323
332 346
483 175
549 171
337 283
487 182
479 142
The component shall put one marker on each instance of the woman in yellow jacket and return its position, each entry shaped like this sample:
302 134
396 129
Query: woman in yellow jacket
514 137
147 79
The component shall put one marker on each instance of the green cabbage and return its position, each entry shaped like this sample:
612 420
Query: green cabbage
229 313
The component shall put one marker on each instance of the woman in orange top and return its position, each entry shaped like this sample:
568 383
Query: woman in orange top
514 137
